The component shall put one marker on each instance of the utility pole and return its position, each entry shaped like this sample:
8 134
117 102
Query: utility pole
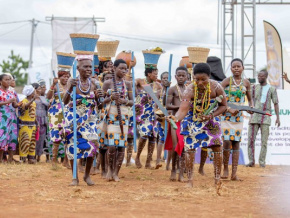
33 27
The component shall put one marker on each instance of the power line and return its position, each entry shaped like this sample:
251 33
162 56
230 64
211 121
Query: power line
12 22
38 42
13 30
146 40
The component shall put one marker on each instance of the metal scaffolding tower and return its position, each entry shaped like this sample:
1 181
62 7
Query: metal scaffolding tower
248 31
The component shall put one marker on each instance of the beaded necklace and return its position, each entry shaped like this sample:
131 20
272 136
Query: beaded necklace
61 87
89 88
179 92
205 99
239 92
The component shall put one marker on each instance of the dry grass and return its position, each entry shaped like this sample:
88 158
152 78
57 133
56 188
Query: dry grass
36 190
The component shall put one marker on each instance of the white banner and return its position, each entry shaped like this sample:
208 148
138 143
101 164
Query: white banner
61 41
278 152
41 72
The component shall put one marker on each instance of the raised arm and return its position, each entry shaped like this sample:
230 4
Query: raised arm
26 106
67 96
52 89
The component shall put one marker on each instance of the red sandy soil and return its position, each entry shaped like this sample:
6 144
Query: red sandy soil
41 191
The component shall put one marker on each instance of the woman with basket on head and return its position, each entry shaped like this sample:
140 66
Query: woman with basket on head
145 106
55 112
236 89
127 57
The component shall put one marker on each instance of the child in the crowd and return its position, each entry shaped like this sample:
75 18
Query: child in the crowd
28 125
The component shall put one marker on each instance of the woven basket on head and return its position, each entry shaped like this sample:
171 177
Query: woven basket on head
65 60
197 54
83 43
152 52
107 48
151 57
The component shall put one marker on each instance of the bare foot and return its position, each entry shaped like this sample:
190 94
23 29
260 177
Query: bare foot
109 176
138 163
236 178
201 172
75 182
88 180
66 164
167 168
116 178
173 176
81 169
92 171
148 166
217 181
225 174
218 188
97 171
31 161
128 164
158 165
189 184
181 178
104 174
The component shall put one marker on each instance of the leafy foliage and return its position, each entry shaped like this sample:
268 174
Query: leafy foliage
17 67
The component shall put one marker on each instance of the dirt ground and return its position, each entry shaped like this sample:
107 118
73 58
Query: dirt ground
41 191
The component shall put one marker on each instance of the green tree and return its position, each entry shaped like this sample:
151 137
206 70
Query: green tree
17 67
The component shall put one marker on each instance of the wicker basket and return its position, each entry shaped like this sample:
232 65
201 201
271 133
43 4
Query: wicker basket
107 48
151 57
65 60
84 44
197 54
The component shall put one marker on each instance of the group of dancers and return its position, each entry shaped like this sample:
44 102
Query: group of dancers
104 118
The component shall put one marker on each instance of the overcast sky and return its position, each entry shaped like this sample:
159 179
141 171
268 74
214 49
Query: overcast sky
181 23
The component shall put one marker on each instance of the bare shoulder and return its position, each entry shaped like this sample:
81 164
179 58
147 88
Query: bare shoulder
225 82
247 83
188 93
95 82
172 89
216 86
159 85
